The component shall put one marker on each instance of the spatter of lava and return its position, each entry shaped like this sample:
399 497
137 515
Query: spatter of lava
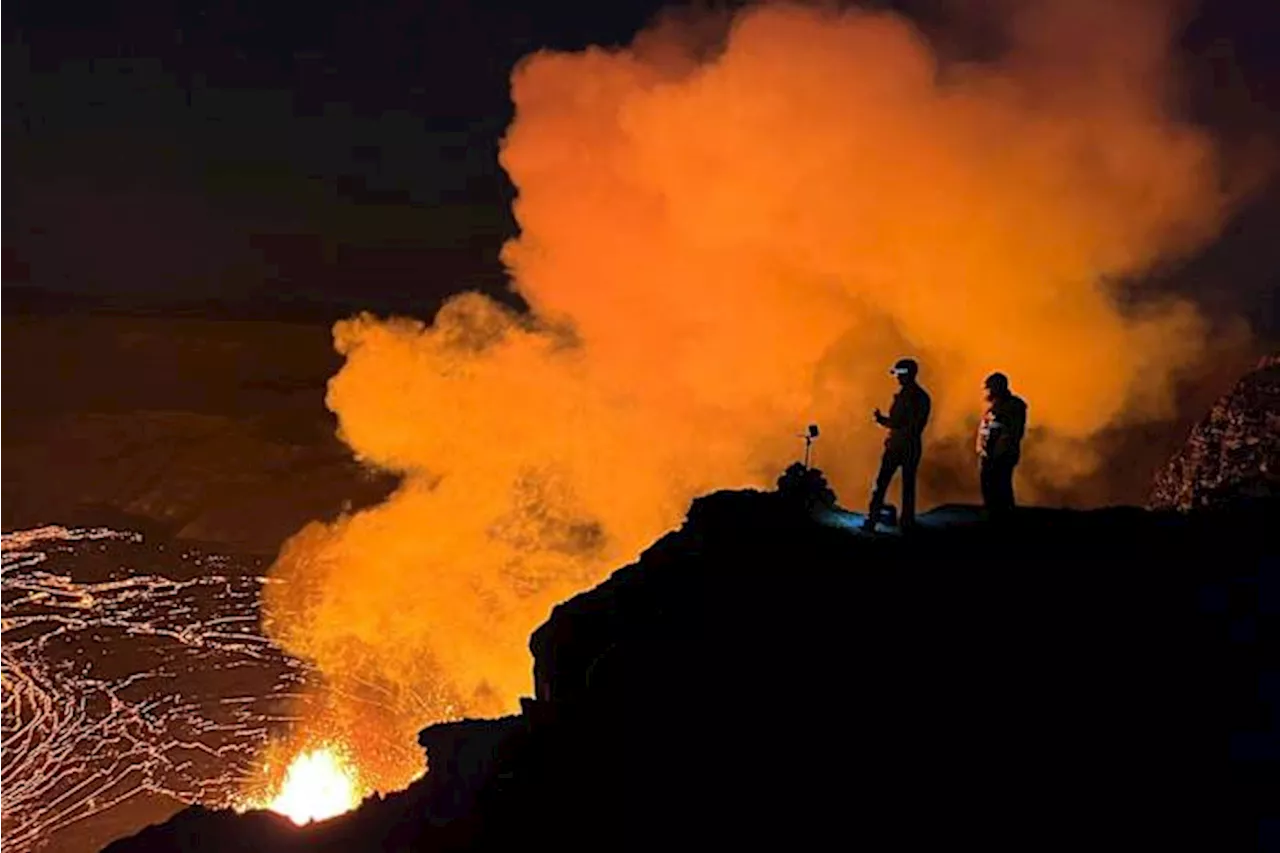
318 784
130 668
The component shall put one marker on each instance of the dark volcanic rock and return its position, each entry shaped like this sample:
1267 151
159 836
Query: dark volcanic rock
1234 452
763 678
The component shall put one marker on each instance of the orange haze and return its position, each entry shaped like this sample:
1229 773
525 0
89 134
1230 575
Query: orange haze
719 249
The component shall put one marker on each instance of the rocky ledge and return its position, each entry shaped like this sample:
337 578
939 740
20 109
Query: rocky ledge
765 678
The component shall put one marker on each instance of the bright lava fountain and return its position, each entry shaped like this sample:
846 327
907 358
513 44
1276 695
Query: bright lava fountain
318 785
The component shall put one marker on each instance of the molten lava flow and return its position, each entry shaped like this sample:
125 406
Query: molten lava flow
318 785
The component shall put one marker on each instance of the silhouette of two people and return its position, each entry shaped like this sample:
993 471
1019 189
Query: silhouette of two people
904 445
999 443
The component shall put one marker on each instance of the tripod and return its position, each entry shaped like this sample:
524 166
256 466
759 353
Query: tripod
809 437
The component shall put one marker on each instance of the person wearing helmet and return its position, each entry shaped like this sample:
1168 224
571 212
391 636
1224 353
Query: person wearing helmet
904 445
1000 443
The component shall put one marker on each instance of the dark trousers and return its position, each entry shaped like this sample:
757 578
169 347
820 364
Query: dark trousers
996 477
906 457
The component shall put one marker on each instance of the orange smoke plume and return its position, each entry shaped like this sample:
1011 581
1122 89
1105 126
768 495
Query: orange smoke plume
719 247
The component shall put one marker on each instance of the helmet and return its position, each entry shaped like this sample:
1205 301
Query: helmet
905 367
997 382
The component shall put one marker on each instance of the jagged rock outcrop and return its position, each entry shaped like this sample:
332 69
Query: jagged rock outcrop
1234 453
763 678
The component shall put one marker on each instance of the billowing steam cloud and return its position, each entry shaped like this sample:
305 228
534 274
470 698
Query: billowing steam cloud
718 248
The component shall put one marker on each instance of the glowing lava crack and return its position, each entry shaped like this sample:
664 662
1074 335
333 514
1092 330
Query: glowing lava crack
137 669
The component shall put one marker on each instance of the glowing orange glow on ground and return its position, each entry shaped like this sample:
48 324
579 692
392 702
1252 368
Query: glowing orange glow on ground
319 784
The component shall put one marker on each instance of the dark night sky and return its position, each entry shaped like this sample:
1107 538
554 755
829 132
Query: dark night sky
343 154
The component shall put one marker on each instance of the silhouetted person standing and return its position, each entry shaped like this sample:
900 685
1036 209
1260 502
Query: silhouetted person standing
902 449
1000 443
